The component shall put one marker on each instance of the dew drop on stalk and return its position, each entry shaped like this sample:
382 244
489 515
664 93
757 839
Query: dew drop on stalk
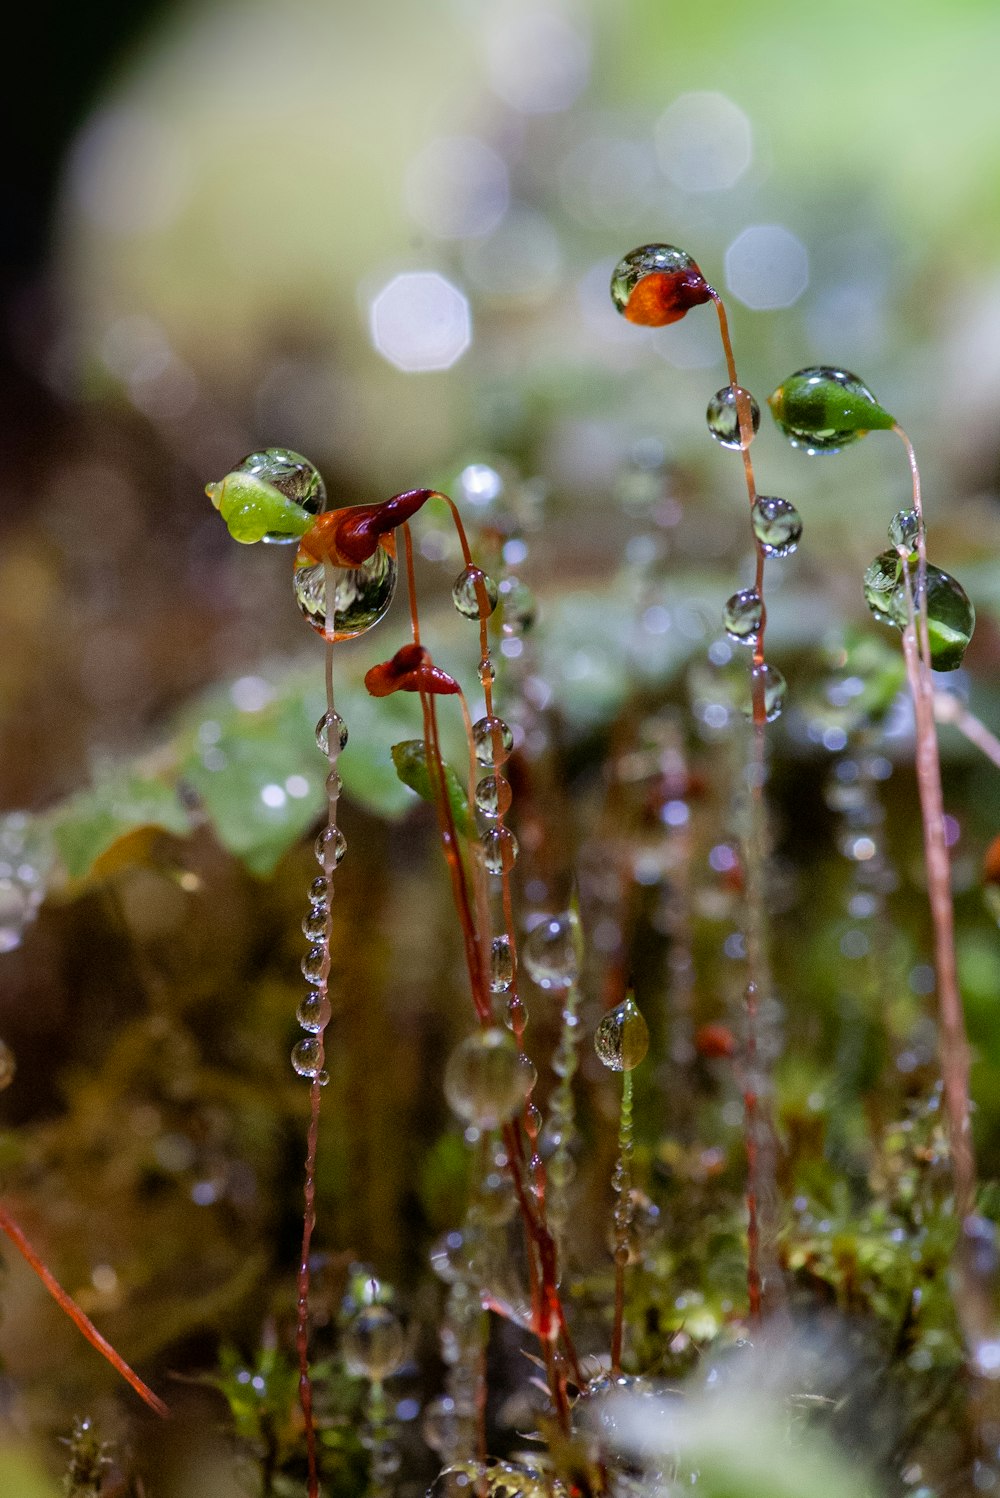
768 680
374 1344
493 740
723 416
330 837
319 894
313 963
487 672
776 524
293 476
361 595
742 616
328 722
657 284
822 409
499 850
551 951
313 1013
8 1065
951 617
622 1037
501 964
307 1058
493 795
314 924
904 528
487 1079
475 594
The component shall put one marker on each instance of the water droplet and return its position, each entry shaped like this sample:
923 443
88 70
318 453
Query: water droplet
313 964
904 528
313 1014
499 850
330 837
768 680
493 795
475 594
8 1065
319 894
314 924
723 416
334 785
307 1058
823 409
622 1037
657 284
487 1079
449 1257
501 964
326 723
293 476
951 618
742 616
487 671
777 525
493 740
361 595
374 1344
552 950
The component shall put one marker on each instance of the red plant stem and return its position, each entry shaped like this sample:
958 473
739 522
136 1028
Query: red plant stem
954 1043
79 1318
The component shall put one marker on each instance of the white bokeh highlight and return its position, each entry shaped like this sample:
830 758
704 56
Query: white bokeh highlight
537 60
704 142
767 267
419 321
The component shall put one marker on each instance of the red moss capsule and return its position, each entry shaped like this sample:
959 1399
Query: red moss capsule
656 284
410 670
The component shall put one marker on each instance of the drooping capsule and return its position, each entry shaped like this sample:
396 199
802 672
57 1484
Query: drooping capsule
822 409
272 496
723 416
951 617
487 1079
777 525
657 284
622 1037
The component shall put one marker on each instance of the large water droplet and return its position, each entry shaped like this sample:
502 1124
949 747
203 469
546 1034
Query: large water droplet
951 617
657 284
904 528
475 594
314 965
723 416
293 476
742 616
487 1079
361 595
622 1037
374 1344
777 525
823 409
499 850
328 722
307 1059
501 964
767 681
493 796
330 837
493 740
313 1014
551 952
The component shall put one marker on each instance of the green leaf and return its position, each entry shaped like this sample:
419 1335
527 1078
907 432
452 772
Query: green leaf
252 508
89 824
410 759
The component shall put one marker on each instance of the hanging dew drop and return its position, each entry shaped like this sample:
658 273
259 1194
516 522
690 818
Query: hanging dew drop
493 795
361 595
487 1079
314 924
904 528
487 672
319 894
493 740
313 964
951 617
622 1037
767 681
307 1058
499 850
723 416
501 964
330 838
777 525
330 722
743 615
551 952
313 1013
822 409
294 477
374 1344
475 595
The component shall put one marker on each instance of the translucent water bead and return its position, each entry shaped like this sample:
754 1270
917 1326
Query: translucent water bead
493 796
904 528
487 1079
622 1037
501 964
307 1059
374 1344
742 616
951 617
776 524
723 416
657 284
822 409
361 595
475 594
551 951
493 740
293 476
500 850
326 724
319 894
313 1014
330 838
768 680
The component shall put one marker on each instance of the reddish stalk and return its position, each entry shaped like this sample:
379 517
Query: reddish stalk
79 1318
